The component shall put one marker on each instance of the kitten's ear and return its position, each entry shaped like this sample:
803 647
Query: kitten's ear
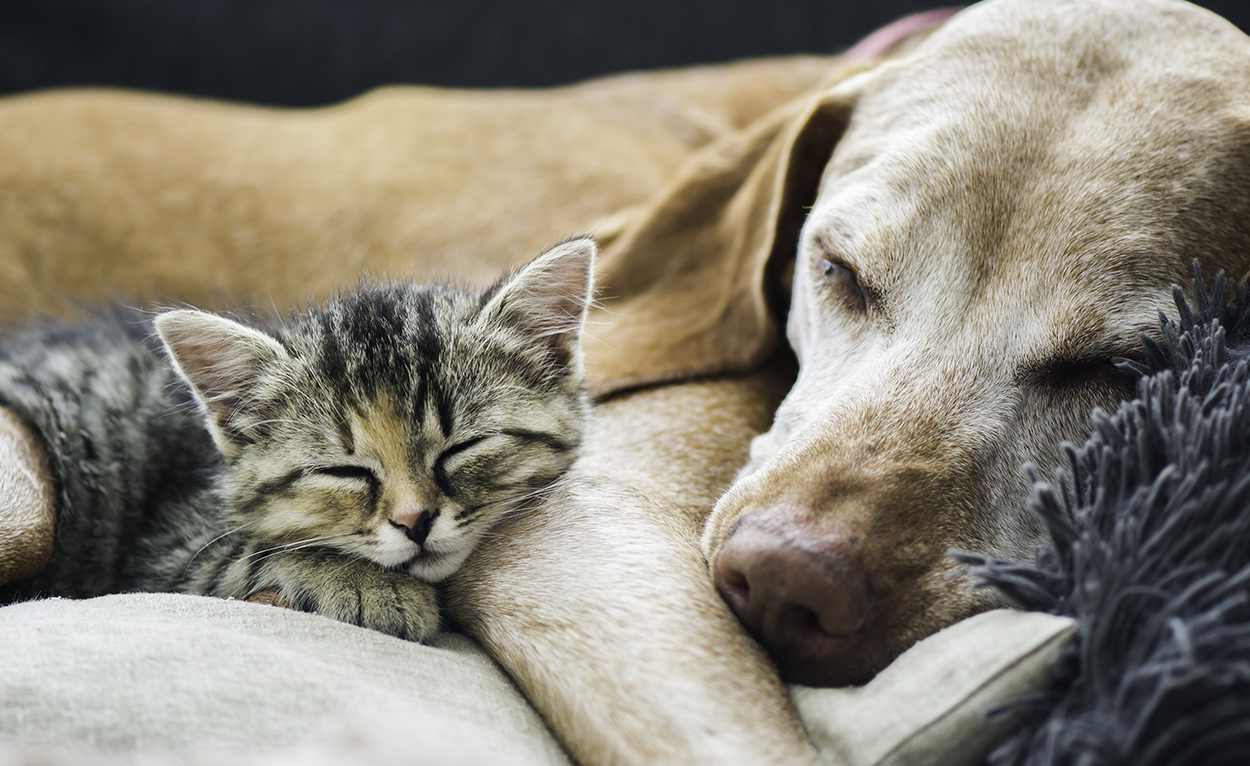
224 362
549 297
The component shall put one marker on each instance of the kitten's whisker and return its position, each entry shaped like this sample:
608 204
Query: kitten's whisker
204 547
309 544
296 545
540 492
272 421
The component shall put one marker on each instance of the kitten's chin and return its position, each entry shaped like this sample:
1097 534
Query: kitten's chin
432 566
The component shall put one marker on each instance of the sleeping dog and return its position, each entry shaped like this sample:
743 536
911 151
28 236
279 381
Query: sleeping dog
1003 216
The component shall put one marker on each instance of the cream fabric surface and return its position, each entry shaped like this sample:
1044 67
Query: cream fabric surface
929 706
184 676
159 678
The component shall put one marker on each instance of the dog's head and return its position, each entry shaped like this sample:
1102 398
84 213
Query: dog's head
994 217
1003 215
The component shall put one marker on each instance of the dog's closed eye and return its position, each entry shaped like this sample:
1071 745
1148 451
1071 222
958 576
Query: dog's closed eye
1086 372
842 284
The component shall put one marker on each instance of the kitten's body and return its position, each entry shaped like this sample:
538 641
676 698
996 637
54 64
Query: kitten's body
347 453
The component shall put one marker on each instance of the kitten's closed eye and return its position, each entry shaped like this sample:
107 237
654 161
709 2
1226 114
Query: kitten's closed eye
473 454
349 472
502 458
367 479
463 446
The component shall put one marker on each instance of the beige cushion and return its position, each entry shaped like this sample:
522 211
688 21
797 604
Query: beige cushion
158 678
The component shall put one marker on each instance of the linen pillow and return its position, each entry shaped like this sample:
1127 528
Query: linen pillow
162 678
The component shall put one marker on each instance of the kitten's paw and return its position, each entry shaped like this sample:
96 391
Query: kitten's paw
357 592
397 604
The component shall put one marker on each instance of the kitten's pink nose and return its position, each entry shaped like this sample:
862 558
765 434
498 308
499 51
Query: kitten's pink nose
416 524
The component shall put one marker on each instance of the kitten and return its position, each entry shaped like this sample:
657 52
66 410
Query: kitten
348 457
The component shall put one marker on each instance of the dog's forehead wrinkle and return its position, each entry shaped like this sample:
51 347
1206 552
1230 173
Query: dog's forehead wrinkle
918 252
1120 152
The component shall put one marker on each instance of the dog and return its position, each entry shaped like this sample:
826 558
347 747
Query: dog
994 217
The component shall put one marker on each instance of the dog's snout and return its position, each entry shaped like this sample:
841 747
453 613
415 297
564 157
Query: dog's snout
803 596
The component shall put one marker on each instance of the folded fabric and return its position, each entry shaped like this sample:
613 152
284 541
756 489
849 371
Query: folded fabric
931 706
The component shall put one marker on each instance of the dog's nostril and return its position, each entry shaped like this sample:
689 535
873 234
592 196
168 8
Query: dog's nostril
806 619
734 588
800 624
737 582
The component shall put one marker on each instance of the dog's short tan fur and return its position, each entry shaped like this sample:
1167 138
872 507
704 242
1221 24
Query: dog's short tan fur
665 675
1015 198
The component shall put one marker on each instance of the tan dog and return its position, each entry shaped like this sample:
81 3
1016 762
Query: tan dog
1004 215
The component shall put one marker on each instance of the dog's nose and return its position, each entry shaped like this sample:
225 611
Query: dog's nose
803 596
415 523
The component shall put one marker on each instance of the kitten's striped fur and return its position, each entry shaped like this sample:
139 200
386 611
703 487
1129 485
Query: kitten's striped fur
348 457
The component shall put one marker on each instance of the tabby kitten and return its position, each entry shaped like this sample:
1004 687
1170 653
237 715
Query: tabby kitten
348 457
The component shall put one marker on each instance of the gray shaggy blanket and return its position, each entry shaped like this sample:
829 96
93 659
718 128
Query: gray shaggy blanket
1150 528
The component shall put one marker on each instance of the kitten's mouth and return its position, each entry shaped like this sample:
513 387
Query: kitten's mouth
423 558
431 566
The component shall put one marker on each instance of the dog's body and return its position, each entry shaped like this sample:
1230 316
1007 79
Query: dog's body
161 198
1005 211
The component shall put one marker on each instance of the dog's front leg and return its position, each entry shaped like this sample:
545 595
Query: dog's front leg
600 604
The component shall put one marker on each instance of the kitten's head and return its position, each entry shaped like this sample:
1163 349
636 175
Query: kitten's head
399 422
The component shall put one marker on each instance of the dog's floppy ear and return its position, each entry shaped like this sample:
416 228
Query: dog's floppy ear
686 290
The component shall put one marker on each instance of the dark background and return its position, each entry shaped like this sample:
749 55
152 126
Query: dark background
308 52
